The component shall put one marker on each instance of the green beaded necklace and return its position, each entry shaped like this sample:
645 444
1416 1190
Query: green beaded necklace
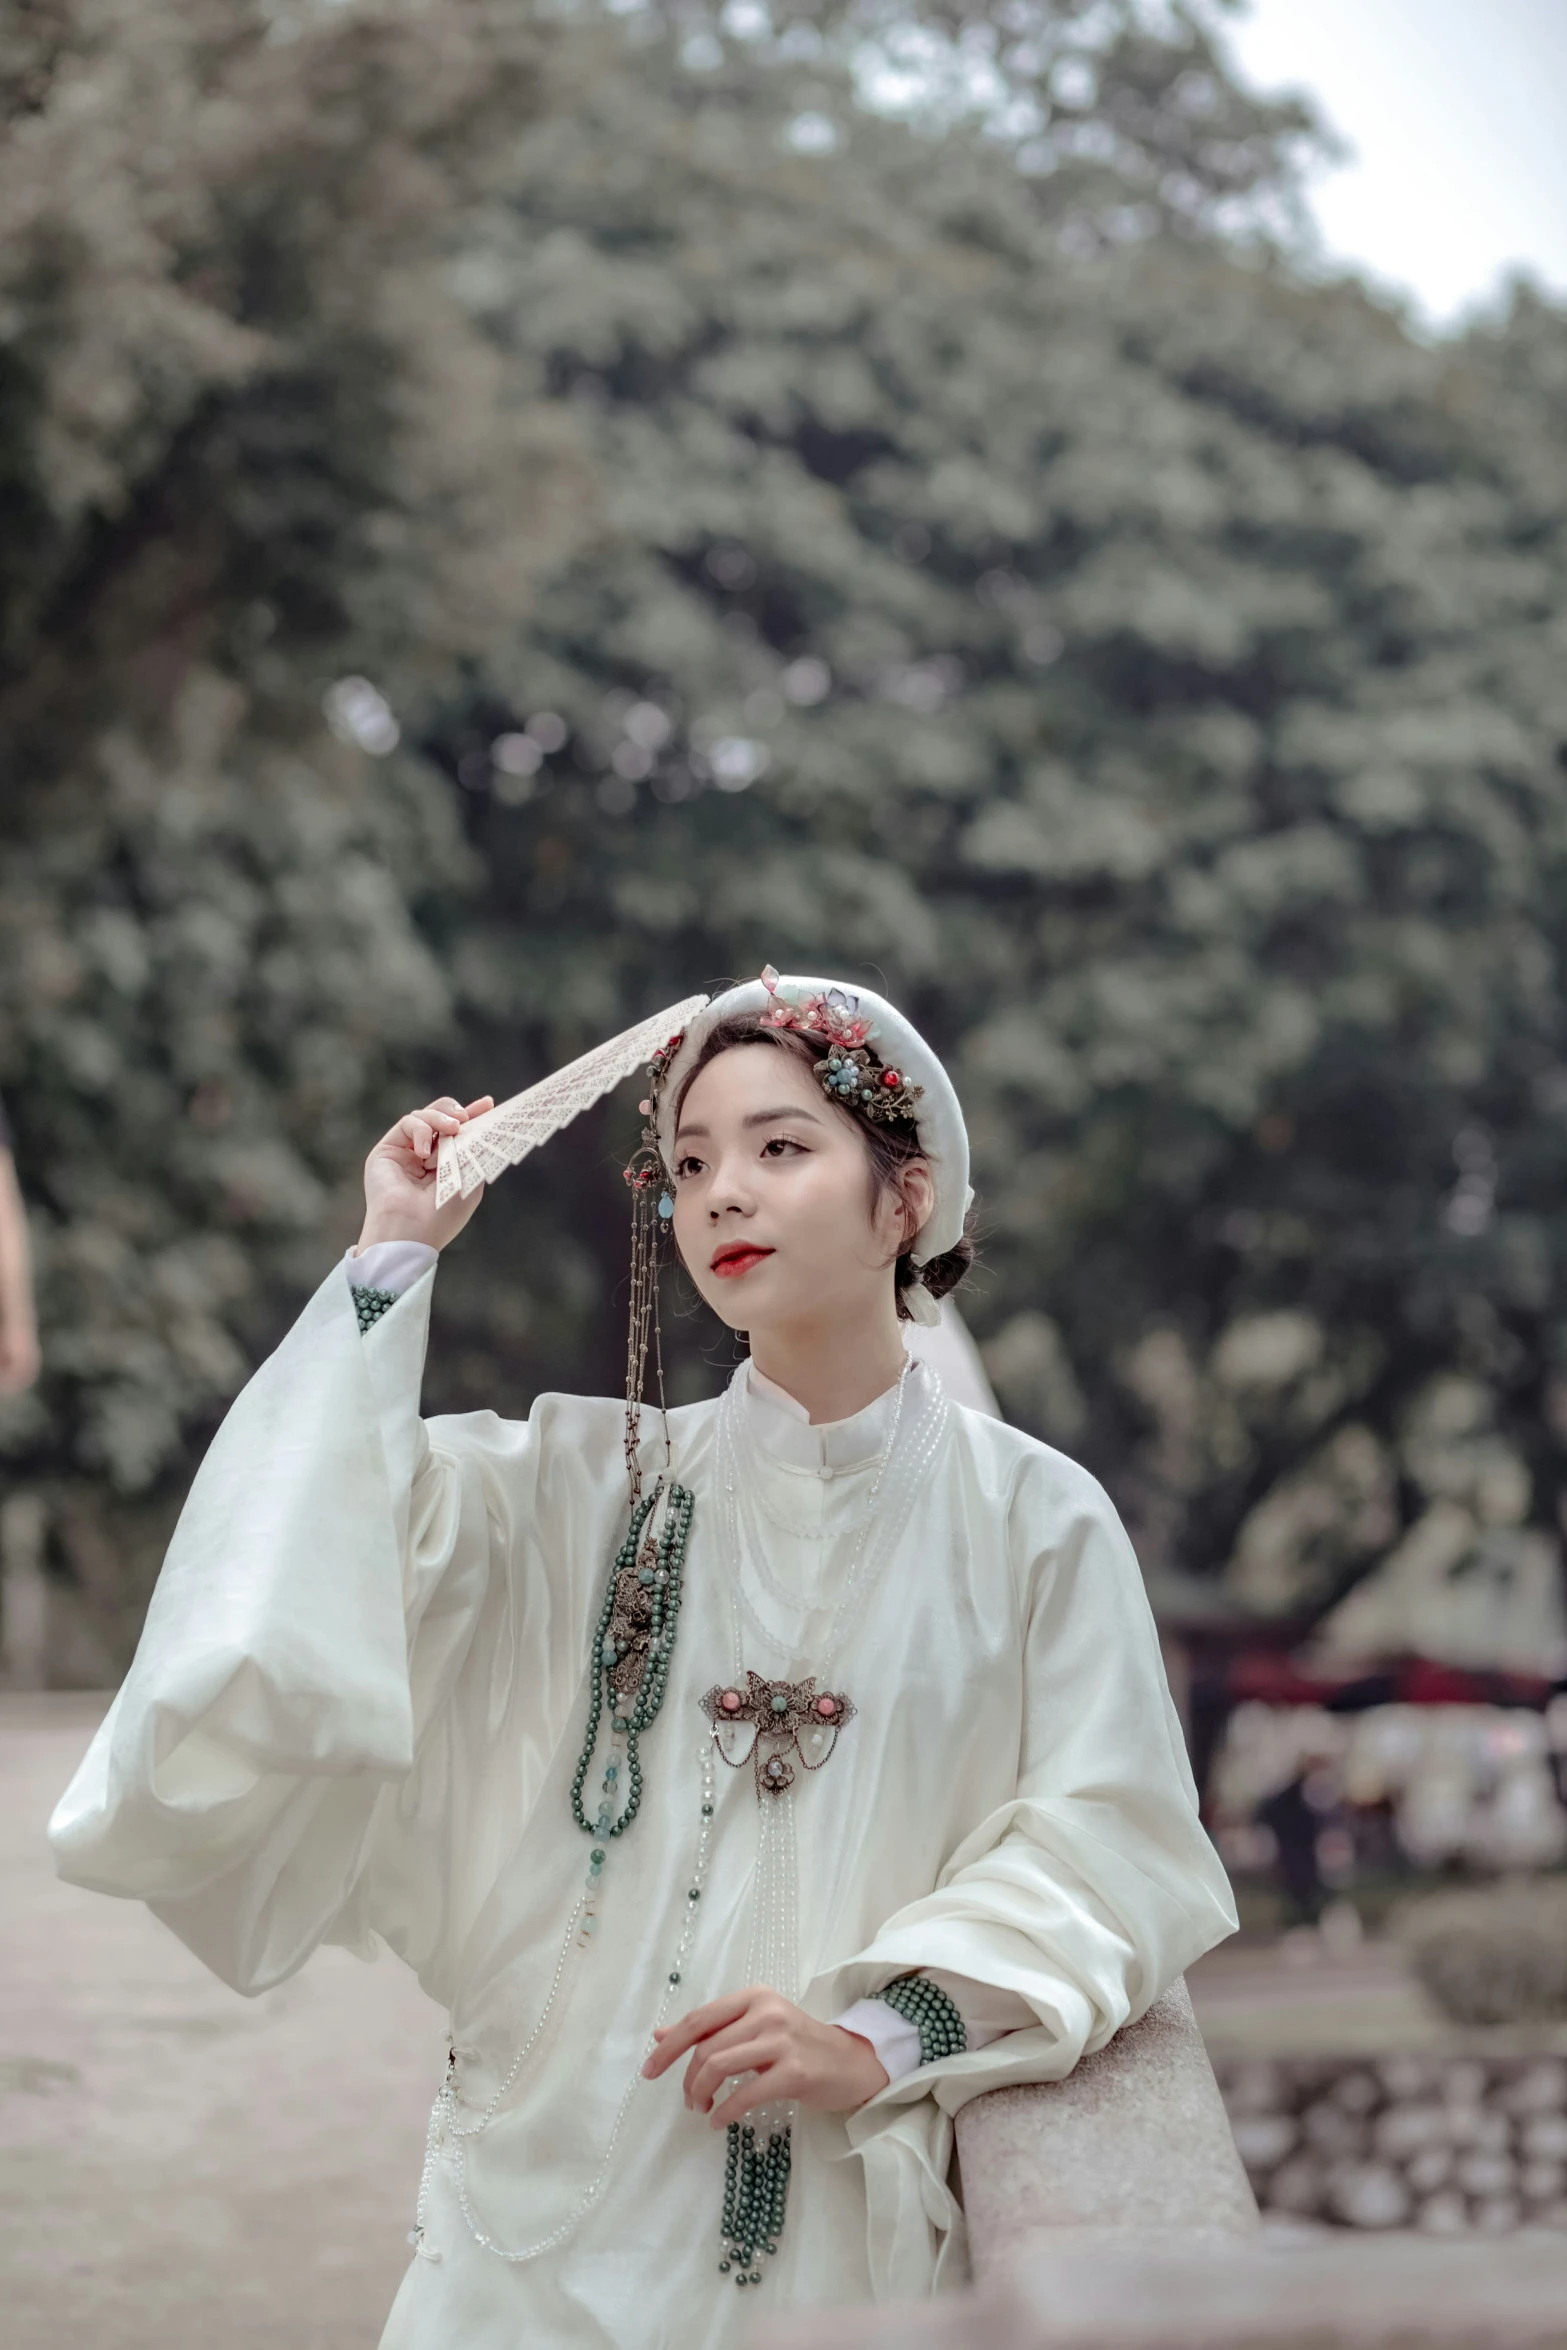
633 1642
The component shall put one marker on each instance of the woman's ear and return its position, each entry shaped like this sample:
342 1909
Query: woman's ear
917 1192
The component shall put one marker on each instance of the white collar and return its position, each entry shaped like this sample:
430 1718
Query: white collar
784 1430
768 1391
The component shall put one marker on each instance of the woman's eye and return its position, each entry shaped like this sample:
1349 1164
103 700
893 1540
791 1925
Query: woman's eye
685 1167
779 1144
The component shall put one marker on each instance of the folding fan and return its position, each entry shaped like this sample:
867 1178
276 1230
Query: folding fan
487 1145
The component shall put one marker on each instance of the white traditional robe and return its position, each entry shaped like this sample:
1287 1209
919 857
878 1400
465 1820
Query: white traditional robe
355 1713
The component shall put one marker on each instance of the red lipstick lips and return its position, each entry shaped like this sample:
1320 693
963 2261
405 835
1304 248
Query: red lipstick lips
739 1257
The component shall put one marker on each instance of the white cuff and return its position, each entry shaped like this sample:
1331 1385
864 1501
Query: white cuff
393 1265
987 2014
895 2040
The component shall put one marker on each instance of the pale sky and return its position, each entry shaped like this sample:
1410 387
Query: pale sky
1457 112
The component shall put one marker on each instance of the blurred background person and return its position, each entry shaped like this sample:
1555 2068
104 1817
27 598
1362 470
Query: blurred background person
18 1320
1297 1814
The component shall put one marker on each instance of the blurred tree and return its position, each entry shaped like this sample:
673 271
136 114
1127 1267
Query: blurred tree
1017 582
248 443
969 555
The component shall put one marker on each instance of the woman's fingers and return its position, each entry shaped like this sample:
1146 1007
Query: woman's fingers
743 2050
762 2089
400 1175
769 2047
673 2043
422 1129
715 2058
729 2050
677 2038
449 1107
419 1132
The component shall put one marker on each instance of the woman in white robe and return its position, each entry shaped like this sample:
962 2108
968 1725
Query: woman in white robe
359 1702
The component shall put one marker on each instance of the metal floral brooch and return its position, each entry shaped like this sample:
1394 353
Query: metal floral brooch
763 1722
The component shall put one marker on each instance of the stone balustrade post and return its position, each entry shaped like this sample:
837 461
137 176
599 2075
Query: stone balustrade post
1134 2140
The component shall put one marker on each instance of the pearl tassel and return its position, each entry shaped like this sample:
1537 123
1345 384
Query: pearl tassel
760 2149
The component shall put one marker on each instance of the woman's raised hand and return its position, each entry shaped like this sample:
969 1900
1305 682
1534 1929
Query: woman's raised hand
786 2052
400 1178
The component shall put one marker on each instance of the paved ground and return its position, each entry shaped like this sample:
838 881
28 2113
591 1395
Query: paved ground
1253 1999
182 2169
1281 2000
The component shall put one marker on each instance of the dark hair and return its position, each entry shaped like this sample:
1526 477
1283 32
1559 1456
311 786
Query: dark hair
889 1146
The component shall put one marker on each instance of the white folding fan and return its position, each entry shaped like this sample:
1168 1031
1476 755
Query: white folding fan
487 1145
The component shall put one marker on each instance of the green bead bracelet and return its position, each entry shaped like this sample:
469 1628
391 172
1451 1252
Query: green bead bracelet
371 1304
936 2018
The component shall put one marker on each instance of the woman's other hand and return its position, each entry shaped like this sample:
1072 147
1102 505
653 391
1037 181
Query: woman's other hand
786 2053
400 1178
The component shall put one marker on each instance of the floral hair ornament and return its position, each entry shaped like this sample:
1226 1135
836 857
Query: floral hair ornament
849 1072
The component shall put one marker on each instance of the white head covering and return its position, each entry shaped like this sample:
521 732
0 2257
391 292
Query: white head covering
486 1146
898 1044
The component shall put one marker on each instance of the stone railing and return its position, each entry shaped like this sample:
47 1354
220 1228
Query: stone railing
1132 2148
1136 2139
1112 2212
1343 2292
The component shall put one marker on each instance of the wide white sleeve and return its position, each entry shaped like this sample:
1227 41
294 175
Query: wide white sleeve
283 1761
1073 1905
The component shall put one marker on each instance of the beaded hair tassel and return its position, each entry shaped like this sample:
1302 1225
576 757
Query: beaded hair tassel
646 1169
632 1645
634 1638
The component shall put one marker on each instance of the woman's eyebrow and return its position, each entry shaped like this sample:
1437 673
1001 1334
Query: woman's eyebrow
757 1118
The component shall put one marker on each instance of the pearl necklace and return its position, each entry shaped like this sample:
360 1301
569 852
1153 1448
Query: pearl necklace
633 1644
760 2152
774 1933
774 1937
448 2133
